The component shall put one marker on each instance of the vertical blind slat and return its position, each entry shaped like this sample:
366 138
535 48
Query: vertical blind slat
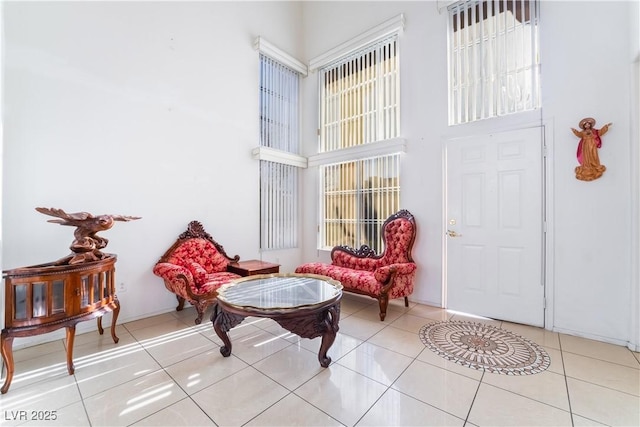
360 104
279 129
360 97
493 58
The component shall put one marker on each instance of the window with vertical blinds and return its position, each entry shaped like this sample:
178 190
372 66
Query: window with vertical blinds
360 97
279 129
494 59
358 197
359 105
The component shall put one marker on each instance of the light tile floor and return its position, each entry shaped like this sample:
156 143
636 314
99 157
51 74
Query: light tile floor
165 371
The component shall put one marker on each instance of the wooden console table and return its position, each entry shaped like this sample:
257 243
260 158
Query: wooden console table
253 267
43 298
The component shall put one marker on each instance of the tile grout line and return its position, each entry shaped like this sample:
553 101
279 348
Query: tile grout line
566 383
385 391
466 420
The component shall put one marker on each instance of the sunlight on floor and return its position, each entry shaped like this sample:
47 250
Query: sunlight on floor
461 313
145 399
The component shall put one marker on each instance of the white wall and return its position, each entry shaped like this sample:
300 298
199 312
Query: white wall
634 18
135 108
423 119
150 109
586 71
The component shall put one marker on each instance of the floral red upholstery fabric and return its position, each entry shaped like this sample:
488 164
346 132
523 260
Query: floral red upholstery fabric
194 267
200 263
200 251
366 281
370 274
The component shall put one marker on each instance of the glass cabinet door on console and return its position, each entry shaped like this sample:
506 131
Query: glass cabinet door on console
46 297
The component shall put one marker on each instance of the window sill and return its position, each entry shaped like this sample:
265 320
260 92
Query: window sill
374 149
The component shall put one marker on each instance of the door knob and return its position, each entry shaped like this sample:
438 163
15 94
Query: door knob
452 233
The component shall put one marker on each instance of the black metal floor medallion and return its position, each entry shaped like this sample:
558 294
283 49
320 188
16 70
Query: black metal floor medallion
484 347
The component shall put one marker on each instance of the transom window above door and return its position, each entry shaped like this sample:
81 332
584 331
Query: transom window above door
494 58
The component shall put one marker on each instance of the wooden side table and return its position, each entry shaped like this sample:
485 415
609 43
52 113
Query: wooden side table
253 267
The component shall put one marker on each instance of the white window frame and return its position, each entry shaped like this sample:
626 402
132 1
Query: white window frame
377 149
279 204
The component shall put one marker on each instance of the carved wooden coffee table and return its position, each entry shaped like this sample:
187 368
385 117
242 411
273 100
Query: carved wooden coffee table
307 305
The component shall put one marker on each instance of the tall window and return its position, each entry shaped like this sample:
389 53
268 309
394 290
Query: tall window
360 97
358 197
494 60
279 129
359 106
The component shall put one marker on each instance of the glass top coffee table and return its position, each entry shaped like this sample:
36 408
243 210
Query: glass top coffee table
307 305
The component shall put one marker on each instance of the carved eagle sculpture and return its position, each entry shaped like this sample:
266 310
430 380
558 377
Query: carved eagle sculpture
86 244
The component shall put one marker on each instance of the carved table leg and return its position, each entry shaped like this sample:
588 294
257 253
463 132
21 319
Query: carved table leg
71 335
115 312
322 323
222 323
100 329
7 357
114 318
331 318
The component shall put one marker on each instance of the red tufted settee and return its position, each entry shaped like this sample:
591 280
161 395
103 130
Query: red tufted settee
383 277
194 267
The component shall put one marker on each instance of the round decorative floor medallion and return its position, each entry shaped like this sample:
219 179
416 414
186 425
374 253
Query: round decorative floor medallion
484 347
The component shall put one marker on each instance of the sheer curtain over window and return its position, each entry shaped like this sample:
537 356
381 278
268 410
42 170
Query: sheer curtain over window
359 106
494 60
279 129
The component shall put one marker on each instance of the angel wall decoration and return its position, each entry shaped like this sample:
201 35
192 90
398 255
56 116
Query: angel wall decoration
590 167
86 245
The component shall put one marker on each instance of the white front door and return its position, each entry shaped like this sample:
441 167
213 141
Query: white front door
494 224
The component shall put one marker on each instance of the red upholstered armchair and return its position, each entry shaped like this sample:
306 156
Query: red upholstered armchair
383 277
194 267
